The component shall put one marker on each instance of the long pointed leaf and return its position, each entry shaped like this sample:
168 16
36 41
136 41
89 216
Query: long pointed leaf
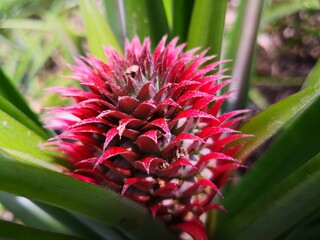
29 214
18 140
98 31
267 123
146 18
14 112
45 217
313 77
10 230
78 225
182 10
115 15
207 25
278 210
12 94
295 145
84 198
307 228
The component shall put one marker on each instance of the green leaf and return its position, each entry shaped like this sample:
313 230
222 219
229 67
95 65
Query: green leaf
14 112
167 4
10 230
49 218
278 210
207 25
80 225
313 77
307 228
146 18
68 193
115 18
19 141
296 144
98 31
30 214
9 92
182 10
267 123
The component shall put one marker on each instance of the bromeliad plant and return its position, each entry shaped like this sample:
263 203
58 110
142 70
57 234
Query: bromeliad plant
155 129
147 126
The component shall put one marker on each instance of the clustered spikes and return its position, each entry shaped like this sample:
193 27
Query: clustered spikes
147 125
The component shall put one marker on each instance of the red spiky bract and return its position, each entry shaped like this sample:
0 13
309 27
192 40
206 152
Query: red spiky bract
147 125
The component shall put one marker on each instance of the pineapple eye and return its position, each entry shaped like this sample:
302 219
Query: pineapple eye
132 71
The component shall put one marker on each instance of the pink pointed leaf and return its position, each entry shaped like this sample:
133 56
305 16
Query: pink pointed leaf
214 206
148 164
192 94
154 209
128 104
224 141
109 137
187 136
194 228
112 114
113 151
140 183
201 183
159 123
189 113
226 167
144 109
145 92
168 190
205 160
229 115
91 121
148 142
179 168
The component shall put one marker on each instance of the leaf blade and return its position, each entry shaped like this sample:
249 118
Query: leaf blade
268 122
11 93
296 144
207 25
146 18
17 138
98 31
281 208
72 194
14 112
10 230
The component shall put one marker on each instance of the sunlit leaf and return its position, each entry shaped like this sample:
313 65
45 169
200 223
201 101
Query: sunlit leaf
14 112
98 32
207 25
9 92
17 139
